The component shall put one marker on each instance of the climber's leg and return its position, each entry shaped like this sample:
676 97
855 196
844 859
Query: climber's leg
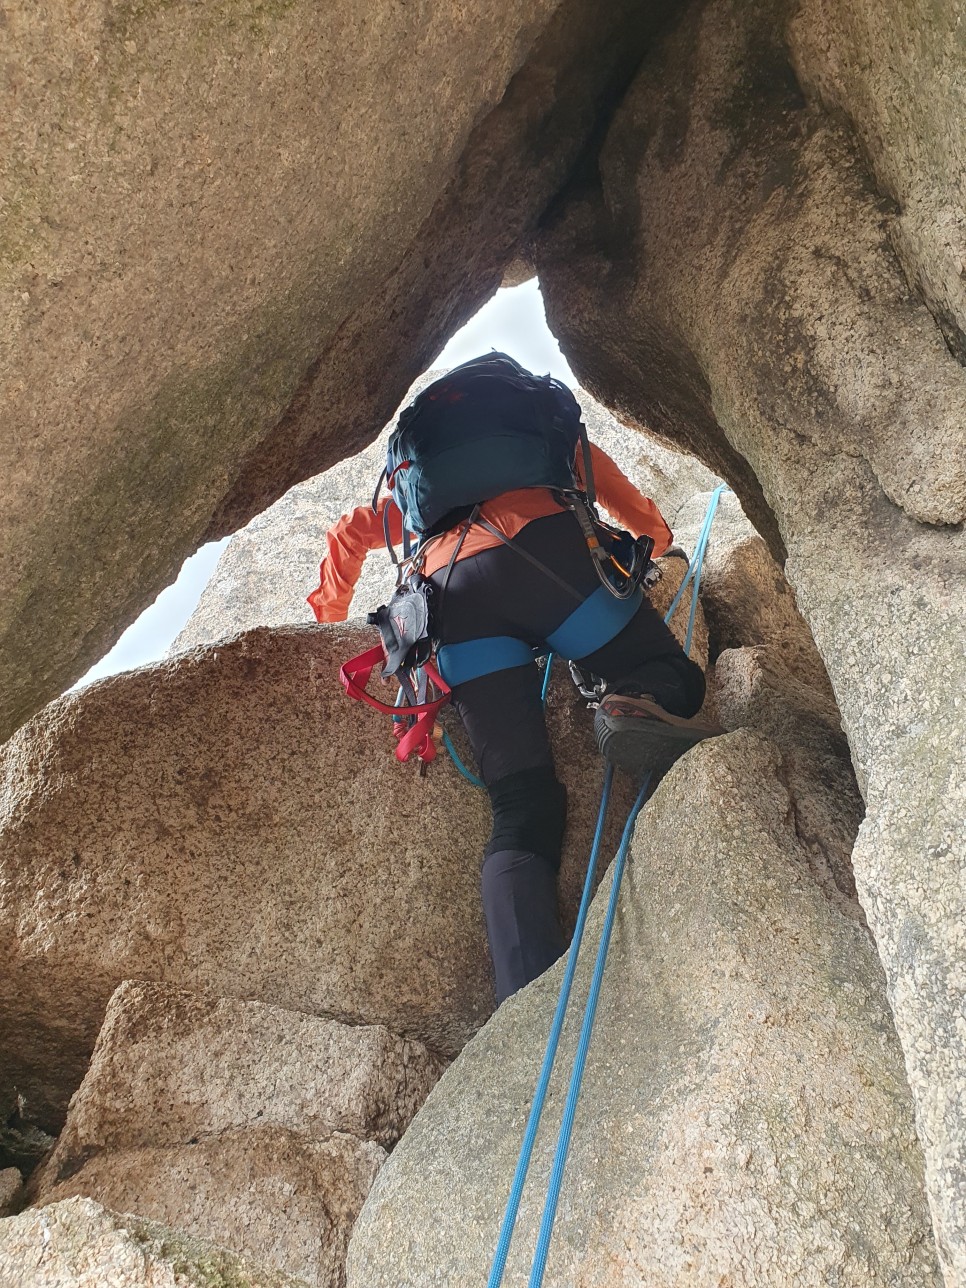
646 658
645 720
503 717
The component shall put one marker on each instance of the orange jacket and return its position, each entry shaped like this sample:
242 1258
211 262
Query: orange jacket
355 534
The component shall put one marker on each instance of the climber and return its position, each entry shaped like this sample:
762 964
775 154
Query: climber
509 575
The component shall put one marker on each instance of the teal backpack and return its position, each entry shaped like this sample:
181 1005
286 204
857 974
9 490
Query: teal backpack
485 428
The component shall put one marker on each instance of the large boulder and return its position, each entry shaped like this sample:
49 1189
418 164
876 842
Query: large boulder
234 234
230 821
763 320
744 1116
79 1244
186 1092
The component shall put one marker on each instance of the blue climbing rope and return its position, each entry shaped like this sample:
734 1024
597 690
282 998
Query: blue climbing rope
546 679
697 565
583 1046
455 758
553 1041
590 1009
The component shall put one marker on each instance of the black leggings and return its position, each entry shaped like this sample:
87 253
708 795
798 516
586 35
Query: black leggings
498 593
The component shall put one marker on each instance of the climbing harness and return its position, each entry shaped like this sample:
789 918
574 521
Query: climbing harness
407 638
538 1265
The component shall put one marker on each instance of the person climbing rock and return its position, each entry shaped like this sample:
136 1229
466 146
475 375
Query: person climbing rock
490 468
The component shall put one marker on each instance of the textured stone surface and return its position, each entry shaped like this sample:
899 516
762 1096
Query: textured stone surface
170 1065
79 1244
896 70
267 569
242 1123
764 321
11 1190
862 365
267 1193
753 688
744 593
233 236
230 821
745 1117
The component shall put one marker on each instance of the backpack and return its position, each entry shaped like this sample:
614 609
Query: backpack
485 428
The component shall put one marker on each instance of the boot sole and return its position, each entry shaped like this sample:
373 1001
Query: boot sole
637 744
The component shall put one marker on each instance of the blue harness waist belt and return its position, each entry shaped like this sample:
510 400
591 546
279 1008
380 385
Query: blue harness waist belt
589 627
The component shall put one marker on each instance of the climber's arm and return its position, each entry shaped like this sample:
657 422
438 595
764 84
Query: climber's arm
621 499
348 542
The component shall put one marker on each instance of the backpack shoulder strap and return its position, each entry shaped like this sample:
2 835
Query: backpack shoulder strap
589 487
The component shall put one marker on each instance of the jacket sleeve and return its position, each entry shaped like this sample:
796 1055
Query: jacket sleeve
348 542
620 498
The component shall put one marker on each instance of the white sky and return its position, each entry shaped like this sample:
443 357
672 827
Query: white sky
512 321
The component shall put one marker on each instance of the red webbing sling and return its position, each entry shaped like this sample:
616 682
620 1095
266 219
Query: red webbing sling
417 739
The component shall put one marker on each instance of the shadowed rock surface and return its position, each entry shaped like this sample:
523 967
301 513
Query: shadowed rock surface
755 689
11 1191
744 1086
896 71
234 235
745 595
725 275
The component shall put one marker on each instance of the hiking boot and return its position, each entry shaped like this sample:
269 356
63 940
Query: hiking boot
637 735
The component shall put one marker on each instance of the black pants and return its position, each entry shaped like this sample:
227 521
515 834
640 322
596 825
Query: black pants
498 593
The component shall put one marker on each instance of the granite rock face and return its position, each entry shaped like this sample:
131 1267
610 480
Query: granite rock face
171 1065
233 237
237 1122
230 822
754 689
896 71
79 1244
744 592
11 1190
745 1117
764 320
